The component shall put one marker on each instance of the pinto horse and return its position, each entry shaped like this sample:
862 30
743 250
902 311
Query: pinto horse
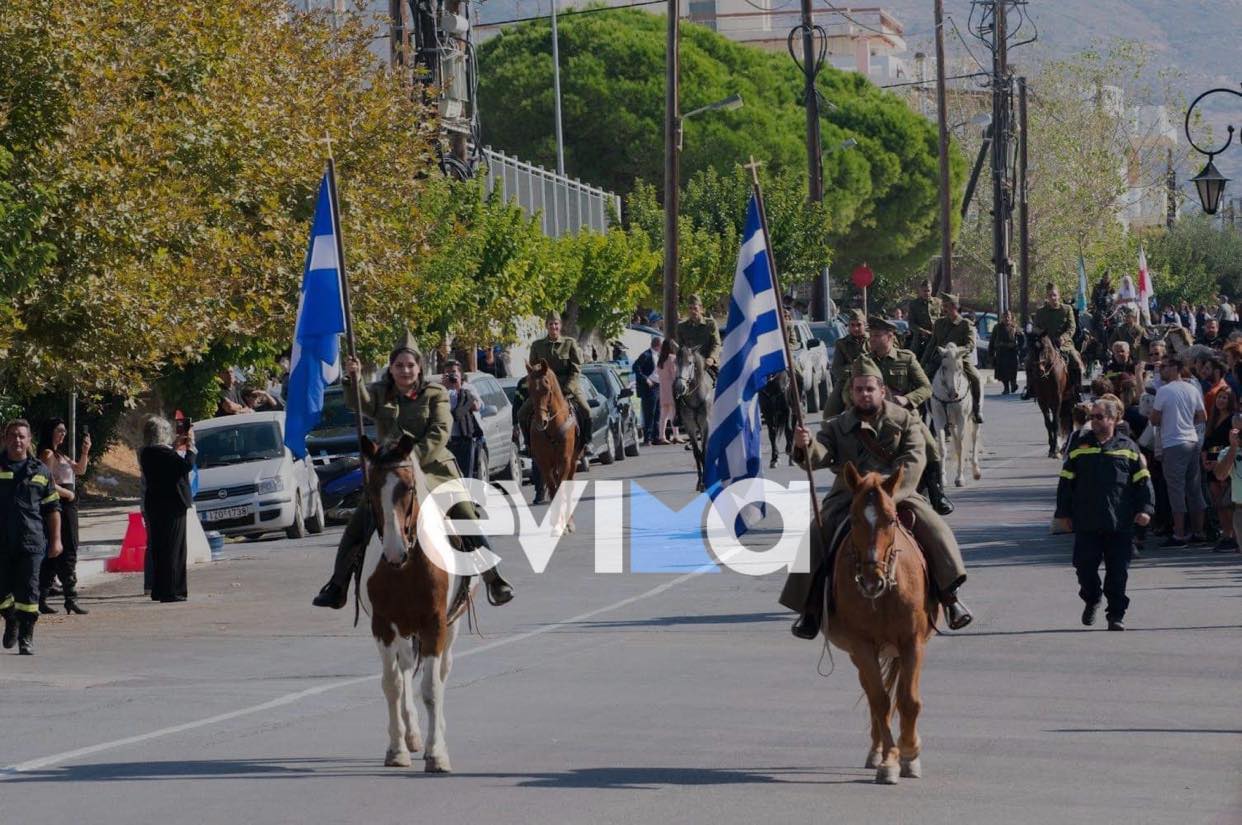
1052 390
413 601
554 443
884 614
692 388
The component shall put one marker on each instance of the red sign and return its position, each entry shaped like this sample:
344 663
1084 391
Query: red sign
862 276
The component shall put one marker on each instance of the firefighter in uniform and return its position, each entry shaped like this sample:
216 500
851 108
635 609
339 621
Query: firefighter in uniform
909 388
878 437
29 526
923 312
699 332
845 352
565 360
952 328
1056 320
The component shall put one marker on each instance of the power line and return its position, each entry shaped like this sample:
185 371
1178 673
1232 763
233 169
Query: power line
575 13
924 82
965 45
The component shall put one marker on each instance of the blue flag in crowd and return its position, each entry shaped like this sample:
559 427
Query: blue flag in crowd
1080 300
316 359
753 351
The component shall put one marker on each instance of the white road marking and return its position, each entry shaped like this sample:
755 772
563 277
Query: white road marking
290 698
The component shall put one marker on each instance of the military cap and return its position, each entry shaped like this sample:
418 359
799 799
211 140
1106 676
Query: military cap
864 367
406 344
552 316
876 323
693 299
858 315
950 298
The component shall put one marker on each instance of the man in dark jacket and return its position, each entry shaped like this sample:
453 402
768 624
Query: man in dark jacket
648 389
1105 490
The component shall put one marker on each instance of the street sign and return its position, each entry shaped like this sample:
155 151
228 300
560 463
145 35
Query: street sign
862 276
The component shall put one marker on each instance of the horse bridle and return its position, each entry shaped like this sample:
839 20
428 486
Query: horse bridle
411 525
887 565
546 419
692 387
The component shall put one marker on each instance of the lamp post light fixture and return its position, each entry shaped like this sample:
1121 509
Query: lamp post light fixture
1210 183
729 103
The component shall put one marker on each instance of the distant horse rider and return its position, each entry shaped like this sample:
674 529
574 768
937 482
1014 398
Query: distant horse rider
564 359
848 349
700 333
1056 320
952 328
924 311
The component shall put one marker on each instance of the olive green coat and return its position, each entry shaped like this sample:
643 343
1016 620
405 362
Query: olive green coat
564 357
945 331
426 418
703 336
1057 322
923 313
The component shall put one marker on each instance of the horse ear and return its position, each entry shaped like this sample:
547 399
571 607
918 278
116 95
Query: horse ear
368 448
891 483
851 476
406 445
529 366
943 351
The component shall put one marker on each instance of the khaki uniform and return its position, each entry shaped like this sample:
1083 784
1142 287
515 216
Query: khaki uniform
905 377
962 333
846 351
900 434
922 316
565 360
1059 325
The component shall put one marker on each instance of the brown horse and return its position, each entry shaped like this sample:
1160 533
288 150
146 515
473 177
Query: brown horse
554 443
884 615
1052 391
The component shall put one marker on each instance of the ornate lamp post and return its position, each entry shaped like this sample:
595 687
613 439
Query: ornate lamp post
1210 183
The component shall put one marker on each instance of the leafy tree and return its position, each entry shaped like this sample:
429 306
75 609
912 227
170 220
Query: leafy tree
1195 260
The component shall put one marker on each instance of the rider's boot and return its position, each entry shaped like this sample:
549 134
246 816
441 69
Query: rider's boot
499 591
976 397
933 481
583 415
958 613
808 624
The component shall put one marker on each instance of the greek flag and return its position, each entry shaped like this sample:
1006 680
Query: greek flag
753 351
316 360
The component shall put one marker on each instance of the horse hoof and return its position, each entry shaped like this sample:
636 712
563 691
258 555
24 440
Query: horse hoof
413 742
959 483
886 775
437 764
873 760
912 768
772 464
978 474
397 759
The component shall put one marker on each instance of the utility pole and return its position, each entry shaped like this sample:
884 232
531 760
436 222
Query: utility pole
1024 215
672 177
1170 206
1000 155
810 64
556 90
946 240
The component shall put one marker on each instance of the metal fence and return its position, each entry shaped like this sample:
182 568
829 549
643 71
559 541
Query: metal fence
563 205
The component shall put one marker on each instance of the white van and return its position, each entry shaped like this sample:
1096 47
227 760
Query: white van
248 481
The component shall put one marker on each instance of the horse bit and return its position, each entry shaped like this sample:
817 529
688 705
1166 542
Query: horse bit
888 572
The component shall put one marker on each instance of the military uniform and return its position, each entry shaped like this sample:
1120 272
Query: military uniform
565 360
27 497
845 352
703 336
425 416
923 313
1059 325
961 333
899 434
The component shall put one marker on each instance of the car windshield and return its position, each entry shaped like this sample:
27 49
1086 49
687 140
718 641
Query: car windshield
335 413
600 381
239 443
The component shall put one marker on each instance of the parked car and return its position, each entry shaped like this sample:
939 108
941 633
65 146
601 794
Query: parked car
496 457
337 434
812 361
985 322
340 487
623 420
510 386
248 481
600 447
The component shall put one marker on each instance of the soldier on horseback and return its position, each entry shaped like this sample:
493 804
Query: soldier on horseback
564 358
878 436
845 352
699 332
1056 320
952 328
924 312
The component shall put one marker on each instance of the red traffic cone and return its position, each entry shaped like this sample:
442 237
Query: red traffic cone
133 548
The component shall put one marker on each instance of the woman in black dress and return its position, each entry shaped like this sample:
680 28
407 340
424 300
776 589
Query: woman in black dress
166 473
1004 345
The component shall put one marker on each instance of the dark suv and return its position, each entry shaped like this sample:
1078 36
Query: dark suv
624 429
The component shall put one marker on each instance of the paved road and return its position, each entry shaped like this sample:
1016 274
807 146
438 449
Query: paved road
643 698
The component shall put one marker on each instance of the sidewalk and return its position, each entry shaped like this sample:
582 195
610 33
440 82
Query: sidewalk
101 529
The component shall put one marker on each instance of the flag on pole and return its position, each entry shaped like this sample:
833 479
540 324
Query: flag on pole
316 358
1146 288
752 352
1080 300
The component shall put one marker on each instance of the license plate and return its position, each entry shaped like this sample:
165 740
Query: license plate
226 513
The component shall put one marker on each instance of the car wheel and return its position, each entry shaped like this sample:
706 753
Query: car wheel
606 455
317 521
632 450
514 471
618 444
297 530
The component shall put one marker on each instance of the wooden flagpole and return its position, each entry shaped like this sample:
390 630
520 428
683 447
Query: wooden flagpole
796 401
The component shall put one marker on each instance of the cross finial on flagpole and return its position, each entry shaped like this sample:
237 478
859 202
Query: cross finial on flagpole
327 138
753 166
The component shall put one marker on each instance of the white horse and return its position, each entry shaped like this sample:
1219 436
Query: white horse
950 405
413 603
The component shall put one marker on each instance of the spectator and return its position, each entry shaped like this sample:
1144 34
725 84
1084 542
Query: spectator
1156 351
1227 312
1209 334
231 402
1178 412
1104 492
1169 316
1132 416
64 476
1186 317
1003 347
647 380
1122 361
262 401
1215 440
1233 366
166 465
1210 371
1201 316
1228 467
464 406
667 366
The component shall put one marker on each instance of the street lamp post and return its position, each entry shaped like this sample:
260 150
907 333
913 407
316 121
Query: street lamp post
1210 183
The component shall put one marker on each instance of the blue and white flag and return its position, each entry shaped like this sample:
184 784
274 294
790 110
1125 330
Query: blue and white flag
1080 299
753 351
316 360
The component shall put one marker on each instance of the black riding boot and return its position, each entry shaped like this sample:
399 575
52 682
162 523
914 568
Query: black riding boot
584 425
976 397
934 484
10 627
958 613
808 624
499 591
25 632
